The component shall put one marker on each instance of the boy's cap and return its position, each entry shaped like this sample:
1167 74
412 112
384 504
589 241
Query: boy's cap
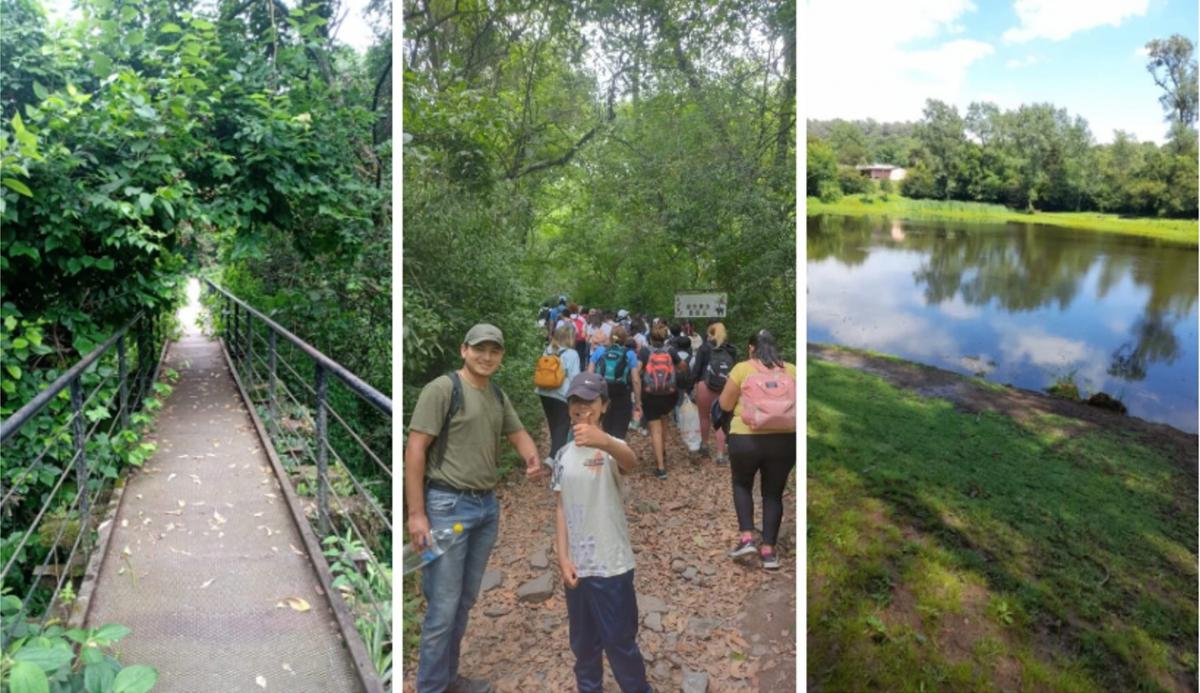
588 386
483 332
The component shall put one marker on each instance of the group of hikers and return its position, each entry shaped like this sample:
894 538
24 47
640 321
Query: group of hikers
637 372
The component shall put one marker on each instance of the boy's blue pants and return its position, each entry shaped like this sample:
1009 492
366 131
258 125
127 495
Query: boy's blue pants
603 617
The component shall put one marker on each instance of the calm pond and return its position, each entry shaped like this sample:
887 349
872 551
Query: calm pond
1015 303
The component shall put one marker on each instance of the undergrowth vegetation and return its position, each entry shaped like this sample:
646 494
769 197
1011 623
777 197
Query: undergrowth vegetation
960 551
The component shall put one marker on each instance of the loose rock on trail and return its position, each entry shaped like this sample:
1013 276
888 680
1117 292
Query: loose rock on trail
708 623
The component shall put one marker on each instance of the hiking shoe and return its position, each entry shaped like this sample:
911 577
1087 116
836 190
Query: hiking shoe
770 561
462 684
722 460
704 451
745 547
661 474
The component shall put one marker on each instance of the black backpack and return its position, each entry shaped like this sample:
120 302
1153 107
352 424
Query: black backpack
456 397
720 362
614 366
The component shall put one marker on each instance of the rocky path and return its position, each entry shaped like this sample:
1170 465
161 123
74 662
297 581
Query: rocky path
708 622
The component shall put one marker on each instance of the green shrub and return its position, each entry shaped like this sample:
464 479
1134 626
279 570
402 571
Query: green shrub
852 182
830 192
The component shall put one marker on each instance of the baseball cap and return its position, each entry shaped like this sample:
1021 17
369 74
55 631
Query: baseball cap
622 313
483 332
587 386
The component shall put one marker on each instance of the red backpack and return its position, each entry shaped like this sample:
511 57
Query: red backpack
769 399
580 327
659 378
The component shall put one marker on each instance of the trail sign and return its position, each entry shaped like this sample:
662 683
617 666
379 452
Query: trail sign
710 305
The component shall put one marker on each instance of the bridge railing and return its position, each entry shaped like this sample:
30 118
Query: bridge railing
62 451
298 392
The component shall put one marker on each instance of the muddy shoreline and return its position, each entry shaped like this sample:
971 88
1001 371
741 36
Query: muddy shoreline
974 395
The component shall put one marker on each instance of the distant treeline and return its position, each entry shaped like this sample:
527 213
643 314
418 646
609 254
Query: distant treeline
1034 157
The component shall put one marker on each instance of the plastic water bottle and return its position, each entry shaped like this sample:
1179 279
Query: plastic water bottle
439 541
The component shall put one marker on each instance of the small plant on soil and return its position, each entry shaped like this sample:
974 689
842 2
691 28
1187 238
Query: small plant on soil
1002 612
876 629
1064 386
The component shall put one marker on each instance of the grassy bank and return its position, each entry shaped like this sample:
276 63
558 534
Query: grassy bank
1177 230
958 551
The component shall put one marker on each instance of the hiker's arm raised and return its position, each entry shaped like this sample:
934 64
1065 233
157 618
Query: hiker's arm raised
414 486
527 449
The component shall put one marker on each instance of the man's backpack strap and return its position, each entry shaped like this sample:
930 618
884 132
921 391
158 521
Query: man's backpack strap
456 397
439 446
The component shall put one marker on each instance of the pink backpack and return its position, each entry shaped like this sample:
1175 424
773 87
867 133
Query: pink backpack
769 399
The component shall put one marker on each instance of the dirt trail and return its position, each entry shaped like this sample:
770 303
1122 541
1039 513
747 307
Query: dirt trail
970 395
702 613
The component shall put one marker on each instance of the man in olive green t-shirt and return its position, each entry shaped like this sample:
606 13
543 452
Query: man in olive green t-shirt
451 482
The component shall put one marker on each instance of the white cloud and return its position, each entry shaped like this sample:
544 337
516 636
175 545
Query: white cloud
957 309
883 323
869 59
1054 355
1058 19
1018 63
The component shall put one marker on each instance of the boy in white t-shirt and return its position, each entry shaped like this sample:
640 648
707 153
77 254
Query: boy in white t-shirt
592 542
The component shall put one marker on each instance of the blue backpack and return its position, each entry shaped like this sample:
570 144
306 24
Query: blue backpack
614 366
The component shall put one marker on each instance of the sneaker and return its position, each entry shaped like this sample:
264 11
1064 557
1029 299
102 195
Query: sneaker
770 561
462 684
704 451
745 547
549 462
661 474
722 460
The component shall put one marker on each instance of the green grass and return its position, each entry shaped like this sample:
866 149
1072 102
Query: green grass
1176 230
955 551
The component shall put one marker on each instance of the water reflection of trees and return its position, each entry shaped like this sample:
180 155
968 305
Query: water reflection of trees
1026 267
1153 341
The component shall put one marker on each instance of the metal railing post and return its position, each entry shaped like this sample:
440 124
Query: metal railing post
122 373
233 345
250 356
322 455
271 347
81 471
143 369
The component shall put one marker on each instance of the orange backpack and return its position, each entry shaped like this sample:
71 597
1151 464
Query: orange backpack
548 373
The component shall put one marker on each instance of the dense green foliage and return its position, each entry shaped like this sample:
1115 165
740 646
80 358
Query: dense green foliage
145 140
950 550
617 153
1034 157
73 661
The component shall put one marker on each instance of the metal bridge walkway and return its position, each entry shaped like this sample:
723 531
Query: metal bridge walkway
205 563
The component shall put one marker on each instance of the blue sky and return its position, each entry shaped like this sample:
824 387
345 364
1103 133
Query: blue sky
882 59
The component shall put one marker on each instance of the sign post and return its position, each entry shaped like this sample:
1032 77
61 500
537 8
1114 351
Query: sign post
701 305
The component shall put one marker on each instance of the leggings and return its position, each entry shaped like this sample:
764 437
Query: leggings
558 420
620 411
772 454
704 402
